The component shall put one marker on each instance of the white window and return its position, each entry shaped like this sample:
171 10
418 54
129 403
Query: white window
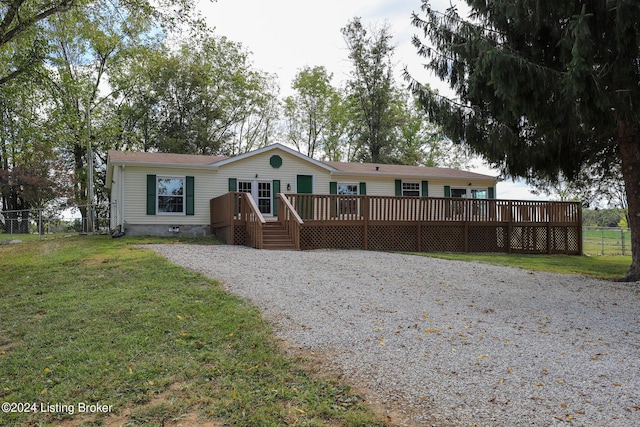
348 205
411 189
469 193
171 193
349 189
244 186
264 197
260 192
478 207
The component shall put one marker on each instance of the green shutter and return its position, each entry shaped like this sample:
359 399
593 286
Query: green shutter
275 187
151 194
363 188
425 188
398 187
447 191
333 187
190 196
233 184
492 193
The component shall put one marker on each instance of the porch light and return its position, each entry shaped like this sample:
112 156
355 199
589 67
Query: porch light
288 187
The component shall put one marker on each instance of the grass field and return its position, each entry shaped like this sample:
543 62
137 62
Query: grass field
606 241
97 321
600 267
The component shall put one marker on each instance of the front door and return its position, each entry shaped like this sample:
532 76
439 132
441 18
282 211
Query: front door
264 197
304 185
260 192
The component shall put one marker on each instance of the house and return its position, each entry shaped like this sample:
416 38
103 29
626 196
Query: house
163 194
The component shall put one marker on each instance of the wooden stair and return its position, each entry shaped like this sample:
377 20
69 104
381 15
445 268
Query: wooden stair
275 237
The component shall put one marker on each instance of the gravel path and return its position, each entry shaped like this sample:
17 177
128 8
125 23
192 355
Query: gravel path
449 343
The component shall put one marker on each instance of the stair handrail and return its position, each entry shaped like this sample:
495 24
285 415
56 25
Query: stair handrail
254 222
290 219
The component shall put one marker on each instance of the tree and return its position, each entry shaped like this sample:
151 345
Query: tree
31 174
308 112
209 100
23 36
371 89
421 142
22 44
544 89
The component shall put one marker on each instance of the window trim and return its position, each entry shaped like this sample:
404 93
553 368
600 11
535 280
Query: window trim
355 184
418 190
469 192
184 195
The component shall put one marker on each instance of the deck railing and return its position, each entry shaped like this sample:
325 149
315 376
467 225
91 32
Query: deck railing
290 219
254 221
407 223
430 209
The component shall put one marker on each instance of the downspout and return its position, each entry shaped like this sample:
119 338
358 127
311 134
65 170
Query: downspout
122 199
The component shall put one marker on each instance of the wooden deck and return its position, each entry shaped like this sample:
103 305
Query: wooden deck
421 224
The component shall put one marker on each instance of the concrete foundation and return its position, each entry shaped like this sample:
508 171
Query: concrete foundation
167 230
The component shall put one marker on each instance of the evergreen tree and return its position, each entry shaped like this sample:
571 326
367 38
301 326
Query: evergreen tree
544 89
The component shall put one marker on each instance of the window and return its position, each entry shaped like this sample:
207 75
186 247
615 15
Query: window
264 197
348 205
244 186
469 193
171 195
411 189
350 189
260 192
477 208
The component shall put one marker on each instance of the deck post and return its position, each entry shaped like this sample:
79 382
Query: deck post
365 217
549 215
419 225
509 225
232 224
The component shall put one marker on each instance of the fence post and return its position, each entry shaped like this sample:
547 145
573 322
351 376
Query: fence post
602 240
622 239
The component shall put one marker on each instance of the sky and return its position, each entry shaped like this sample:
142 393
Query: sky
286 35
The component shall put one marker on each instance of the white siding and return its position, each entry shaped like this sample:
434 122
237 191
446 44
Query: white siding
210 183
136 195
386 186
292 166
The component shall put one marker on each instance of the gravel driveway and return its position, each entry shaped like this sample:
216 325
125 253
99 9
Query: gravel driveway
446 342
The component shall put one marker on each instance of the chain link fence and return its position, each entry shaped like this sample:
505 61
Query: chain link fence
85 219
606 241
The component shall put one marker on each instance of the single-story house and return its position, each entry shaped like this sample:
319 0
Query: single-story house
164 194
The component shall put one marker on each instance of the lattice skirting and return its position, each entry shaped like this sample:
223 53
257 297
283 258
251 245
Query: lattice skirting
442 238
332 236
451 237
224 234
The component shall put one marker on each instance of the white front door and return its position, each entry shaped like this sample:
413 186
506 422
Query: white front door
260 192
263 197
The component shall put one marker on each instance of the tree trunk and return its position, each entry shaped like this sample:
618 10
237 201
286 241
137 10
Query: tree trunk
629 146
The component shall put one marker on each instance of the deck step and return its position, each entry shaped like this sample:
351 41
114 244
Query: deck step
275 237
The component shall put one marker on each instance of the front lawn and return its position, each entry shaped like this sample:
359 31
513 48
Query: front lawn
92 320
600 267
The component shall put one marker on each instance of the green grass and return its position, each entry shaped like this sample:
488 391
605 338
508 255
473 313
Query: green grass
606 241
93 319
601 267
